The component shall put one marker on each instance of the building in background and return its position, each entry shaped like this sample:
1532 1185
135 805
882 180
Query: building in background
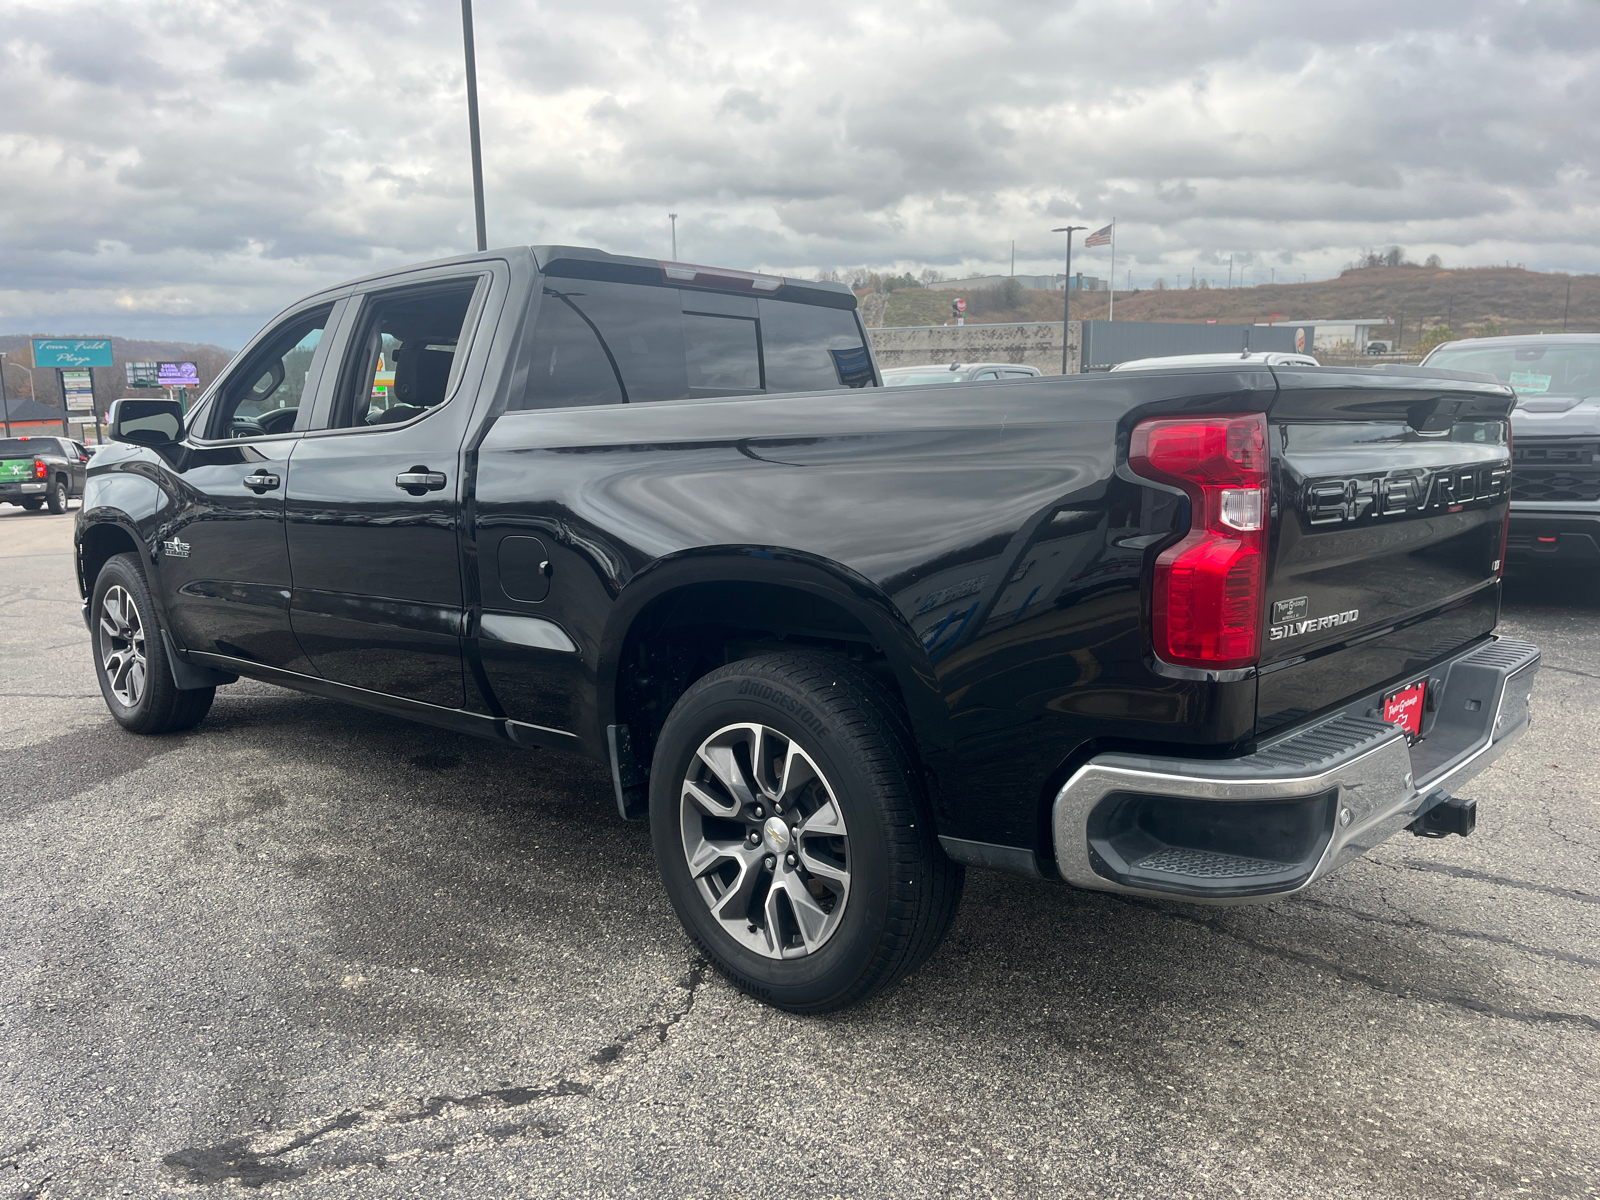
1336 336
1038 283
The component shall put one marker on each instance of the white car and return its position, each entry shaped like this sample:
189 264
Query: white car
1267 358
957 373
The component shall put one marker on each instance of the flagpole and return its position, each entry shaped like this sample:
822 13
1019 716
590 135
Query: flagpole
1111 308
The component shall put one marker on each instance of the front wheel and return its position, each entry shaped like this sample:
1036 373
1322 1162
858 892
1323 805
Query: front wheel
792 831
130 658
58 496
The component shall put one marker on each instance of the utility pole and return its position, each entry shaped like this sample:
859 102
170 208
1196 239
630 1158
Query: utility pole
1014 259
673 217
1066 291
1273 278
1567 305
1230 271
472 124
1450 312
5 402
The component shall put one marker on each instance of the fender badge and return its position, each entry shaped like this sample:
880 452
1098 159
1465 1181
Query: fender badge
175 548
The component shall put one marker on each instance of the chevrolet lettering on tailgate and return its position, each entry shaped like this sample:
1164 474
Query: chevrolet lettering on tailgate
1333 501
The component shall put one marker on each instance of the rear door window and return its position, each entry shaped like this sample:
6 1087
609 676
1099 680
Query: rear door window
402 362
601 342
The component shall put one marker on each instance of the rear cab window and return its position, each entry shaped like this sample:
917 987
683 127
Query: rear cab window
608 341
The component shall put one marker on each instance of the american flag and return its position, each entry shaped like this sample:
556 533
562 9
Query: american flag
1100 237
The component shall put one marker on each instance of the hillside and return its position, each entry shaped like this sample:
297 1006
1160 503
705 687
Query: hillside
1516 300
112 381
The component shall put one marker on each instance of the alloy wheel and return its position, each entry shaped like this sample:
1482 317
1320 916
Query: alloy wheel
122 646
765 841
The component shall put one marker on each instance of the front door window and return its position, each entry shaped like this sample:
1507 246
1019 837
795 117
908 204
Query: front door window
264 397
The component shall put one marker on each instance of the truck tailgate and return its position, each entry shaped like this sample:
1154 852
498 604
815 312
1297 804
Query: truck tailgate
1389 495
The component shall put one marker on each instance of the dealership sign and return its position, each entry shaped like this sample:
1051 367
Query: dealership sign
53 352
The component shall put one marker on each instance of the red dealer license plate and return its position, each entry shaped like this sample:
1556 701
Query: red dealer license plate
1404 708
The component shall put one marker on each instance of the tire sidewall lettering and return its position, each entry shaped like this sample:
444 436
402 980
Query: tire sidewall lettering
780 699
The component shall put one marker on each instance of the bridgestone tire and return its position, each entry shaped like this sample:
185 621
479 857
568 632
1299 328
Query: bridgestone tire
160 706
903 889
58 496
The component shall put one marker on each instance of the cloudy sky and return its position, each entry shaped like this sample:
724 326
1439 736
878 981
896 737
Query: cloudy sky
181 169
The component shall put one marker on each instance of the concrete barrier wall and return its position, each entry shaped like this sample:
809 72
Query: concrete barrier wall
1035 343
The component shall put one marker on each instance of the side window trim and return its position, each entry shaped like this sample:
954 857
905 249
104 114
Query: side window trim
319 363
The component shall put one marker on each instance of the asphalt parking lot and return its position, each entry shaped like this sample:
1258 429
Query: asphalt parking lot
319 952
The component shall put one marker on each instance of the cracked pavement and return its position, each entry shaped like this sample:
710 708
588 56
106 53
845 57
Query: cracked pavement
312 951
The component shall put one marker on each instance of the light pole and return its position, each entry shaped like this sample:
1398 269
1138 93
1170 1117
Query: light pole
1066 291
472 123
673 217
5 403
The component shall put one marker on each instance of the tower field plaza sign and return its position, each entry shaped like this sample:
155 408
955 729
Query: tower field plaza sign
71 355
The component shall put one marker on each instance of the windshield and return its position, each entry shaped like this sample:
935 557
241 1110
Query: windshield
919 377
1531 370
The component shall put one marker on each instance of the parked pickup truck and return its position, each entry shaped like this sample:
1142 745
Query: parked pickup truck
35 471
1555 495
1200 634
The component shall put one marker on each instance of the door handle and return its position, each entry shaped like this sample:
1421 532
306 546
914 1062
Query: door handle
419 480
261 482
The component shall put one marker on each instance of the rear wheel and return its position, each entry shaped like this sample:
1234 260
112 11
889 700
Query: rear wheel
58 496
130 658
792 832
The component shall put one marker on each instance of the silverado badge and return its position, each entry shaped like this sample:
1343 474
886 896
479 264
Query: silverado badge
1294 628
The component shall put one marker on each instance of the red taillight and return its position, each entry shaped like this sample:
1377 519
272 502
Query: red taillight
1207 598
40 471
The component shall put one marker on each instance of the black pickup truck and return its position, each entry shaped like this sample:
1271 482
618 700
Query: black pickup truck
1205 633
35 471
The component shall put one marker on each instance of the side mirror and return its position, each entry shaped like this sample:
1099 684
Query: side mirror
147 422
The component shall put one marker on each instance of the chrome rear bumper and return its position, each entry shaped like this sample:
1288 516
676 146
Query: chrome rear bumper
1307 802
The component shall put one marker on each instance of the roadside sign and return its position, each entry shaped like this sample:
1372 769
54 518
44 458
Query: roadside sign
78 388
178 374
961 305
144 374
54 352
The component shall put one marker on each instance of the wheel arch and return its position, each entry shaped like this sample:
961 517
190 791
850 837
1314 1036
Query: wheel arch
101 538
759 579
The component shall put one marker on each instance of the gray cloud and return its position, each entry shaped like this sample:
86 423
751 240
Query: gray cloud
209 160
